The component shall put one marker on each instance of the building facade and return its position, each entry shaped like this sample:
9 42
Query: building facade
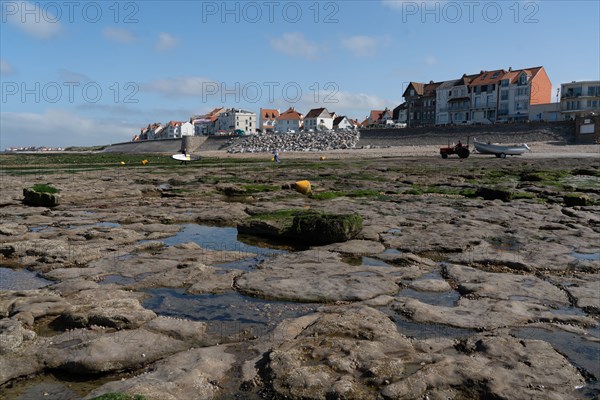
520 90
289 120
580 98
173 130
267 119
342 123
318 119
234 118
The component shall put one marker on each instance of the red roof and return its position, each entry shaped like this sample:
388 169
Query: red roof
488 77
290 114
268 113
375 115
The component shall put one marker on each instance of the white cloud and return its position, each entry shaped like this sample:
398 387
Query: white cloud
182 86
119 35
430 60
6 68
31 19
296 45
166 42
60 128
364 46
357 105
70 76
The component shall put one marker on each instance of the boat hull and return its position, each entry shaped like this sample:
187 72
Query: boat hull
488 148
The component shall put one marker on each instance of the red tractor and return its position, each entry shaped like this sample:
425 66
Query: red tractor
460 149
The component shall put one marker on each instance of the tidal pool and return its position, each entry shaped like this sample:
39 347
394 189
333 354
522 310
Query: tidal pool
12 279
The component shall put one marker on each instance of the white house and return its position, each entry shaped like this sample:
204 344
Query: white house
318 119
290 120
342 123
234 118
187 129
267 119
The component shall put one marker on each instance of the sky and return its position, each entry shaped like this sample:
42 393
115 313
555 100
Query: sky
82 73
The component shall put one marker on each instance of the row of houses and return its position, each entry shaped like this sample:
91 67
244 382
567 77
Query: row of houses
225 121
502 95
316 120
495 96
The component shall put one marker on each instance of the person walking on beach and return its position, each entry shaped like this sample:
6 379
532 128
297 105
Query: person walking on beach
276 156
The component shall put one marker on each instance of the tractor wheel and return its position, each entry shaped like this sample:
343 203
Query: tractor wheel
444 155
502 155
463 152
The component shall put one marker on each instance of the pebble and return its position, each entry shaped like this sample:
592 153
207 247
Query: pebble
305 141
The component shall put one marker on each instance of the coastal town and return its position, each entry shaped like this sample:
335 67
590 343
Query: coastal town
488 97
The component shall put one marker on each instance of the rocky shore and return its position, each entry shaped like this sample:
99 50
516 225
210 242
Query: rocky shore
138 282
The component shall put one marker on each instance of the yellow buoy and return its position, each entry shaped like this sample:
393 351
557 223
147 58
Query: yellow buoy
144 162
322 158
303 187
122 162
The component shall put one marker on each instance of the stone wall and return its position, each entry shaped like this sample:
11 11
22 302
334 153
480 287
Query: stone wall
563 131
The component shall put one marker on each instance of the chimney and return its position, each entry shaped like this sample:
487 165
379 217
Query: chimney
509 69
430 82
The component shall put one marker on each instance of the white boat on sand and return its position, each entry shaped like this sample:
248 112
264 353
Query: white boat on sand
500 150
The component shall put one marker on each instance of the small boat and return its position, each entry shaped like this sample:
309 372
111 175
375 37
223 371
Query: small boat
185 157
500 150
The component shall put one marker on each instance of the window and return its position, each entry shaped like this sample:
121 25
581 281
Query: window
504 82
412 92
522 79
522 91
577 91
490 100
593 91
504 95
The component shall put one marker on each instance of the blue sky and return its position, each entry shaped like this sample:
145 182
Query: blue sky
94 72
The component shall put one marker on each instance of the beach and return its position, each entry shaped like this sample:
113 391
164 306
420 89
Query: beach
455 278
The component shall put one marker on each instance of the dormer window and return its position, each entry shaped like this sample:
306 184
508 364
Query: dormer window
522 79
